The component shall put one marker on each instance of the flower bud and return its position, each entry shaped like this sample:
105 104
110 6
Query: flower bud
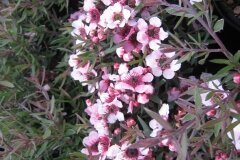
130 122
236 78
211 113
116 65
89 102
117 131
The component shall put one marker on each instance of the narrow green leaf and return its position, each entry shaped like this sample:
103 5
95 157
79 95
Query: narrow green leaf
211 123
145 127
218 25
41 150
159 119
220 61
6 84
47 133
197 97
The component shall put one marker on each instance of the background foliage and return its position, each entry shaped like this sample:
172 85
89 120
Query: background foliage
36 123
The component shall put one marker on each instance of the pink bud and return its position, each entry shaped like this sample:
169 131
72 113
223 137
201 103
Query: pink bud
220 155
135 104
130 122
89 102
117 131
211 113
116 65
236 78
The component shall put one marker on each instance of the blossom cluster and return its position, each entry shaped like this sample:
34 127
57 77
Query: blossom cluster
138 57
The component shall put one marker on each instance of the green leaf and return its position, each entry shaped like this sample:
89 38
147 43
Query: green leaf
188 117
110 50
42 149
211 123
159 119
178 12
185 57
197 97
237 56
146 129
217 129
218 25
47 133
231 126
6 84
220 61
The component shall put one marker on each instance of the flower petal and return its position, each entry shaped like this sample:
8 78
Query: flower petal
155 21
147 77
157 71
168 74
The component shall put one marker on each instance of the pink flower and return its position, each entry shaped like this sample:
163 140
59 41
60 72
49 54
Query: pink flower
89 4
83 74
80 29
163 112
74 61
155 60
111 111
93 112
93 16
115 16
151 34
96 144
127 35
136 80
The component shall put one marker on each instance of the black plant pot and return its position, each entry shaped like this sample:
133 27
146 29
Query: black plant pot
227 13
231 31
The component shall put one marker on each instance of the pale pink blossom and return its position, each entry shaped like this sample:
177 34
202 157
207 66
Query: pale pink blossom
136 80
96 144
126 56
74 60
155 61
93 15
151 34
102 127
115 16
112 111
123 68
126 153
80 29
89 4
127 35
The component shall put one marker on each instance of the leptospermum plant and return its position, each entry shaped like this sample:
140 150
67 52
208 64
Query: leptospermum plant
136 59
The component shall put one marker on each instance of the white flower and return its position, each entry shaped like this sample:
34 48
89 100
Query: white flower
195 1
236 135
115 16
163 112
154 61
151 34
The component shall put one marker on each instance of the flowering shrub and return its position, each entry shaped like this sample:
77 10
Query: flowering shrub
134 62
